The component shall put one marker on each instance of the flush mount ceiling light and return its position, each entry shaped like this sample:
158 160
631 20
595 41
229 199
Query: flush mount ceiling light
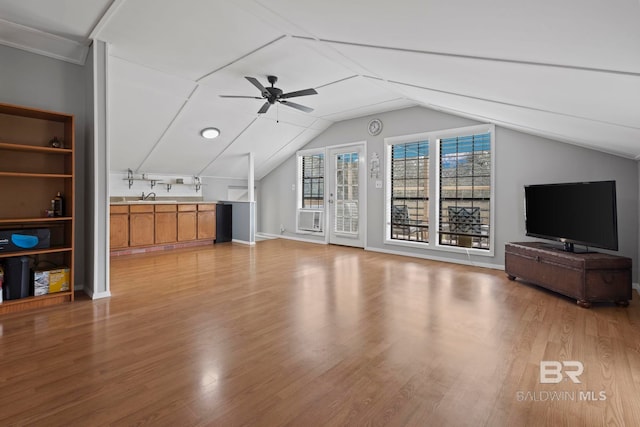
210 133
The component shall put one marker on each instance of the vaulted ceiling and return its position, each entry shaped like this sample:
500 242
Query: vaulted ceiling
569 70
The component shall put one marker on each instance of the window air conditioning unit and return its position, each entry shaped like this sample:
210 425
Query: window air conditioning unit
310 220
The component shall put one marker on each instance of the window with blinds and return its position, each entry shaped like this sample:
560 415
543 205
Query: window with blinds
312 168
410 191
465 191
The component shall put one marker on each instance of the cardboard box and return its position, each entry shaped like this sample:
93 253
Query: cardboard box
40 283
50 281
59 280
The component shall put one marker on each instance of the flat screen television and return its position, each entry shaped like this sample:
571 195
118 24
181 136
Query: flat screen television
582 213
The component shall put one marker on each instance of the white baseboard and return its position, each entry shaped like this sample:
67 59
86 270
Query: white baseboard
243 242
97 295
436 258
298 239
266 236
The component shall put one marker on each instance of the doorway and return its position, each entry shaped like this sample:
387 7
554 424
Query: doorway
347 195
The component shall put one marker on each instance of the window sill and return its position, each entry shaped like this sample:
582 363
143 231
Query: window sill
439 248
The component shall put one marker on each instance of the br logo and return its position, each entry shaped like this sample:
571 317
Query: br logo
553 372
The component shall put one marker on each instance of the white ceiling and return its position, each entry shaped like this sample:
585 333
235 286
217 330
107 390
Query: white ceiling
566 70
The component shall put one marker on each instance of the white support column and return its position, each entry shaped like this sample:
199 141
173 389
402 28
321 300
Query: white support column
97 198
250 178
252 200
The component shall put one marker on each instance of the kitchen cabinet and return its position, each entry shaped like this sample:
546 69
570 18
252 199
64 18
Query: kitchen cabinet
141 225
32 172
206 221
166 224
187 223
119 227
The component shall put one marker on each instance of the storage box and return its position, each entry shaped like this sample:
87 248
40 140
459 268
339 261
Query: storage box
40 283
50 281
24 239
59 280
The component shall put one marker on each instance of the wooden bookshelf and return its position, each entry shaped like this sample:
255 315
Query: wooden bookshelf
31 174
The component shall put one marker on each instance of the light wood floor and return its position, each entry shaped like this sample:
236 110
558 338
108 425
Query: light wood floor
288 333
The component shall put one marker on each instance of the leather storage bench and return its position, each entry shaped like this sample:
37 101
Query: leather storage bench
587 277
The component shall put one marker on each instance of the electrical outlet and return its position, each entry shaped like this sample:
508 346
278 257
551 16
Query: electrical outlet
282 228
293 187
378 184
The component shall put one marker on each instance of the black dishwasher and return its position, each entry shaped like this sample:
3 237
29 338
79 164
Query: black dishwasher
223 223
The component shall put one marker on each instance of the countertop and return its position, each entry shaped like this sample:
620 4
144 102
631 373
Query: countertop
162 202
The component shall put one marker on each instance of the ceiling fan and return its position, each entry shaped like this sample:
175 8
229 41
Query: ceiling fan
273 94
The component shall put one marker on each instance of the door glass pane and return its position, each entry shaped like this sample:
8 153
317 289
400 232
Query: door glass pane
346 211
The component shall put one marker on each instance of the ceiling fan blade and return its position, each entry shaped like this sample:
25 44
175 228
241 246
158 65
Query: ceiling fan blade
303 92
296 106
240 96
256 83
264 108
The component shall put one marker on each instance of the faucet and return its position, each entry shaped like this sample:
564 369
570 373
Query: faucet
152 194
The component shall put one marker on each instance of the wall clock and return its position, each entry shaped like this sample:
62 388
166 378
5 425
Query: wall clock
375 127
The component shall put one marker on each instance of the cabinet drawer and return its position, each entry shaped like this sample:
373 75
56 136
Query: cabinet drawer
141 208
165 208
207 207
186 208
119 209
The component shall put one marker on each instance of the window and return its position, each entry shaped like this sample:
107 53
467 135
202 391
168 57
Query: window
410 191
465 191
439 190
312 184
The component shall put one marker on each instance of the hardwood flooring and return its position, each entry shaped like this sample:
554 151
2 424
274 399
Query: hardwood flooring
289 333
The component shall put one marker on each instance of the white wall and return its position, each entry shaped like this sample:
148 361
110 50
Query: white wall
37 81
218 188
520 159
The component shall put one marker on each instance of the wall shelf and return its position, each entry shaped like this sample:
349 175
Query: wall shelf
197 186
131 178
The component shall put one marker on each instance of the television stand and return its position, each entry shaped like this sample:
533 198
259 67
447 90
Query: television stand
588 277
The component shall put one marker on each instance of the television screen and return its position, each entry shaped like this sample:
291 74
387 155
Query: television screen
581 212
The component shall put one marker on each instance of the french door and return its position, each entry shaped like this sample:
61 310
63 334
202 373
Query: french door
347 190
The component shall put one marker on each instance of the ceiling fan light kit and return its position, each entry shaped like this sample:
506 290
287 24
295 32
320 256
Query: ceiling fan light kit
272 94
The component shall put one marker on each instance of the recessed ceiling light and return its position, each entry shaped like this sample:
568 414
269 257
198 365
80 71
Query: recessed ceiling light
210 133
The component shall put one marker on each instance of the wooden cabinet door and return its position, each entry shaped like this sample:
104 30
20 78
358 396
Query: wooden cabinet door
207 224
119 233
166 227
187 226
141 229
